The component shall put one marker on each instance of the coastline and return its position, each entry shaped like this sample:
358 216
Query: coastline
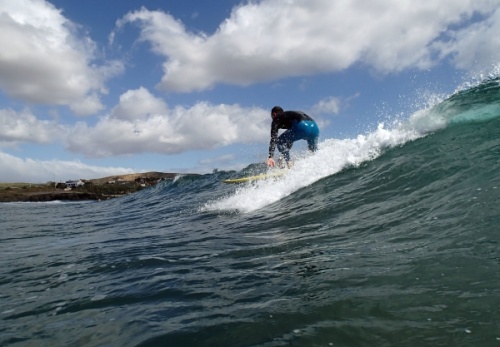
95 189
43 196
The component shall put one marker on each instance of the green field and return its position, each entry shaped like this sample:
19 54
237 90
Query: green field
22 185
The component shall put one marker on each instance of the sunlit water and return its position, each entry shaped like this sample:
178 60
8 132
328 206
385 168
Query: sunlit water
387 239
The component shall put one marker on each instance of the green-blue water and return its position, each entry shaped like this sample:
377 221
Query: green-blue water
388 239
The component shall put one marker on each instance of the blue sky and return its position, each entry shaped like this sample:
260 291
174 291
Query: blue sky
96 88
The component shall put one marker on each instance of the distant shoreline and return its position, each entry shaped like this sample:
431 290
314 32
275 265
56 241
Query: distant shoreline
43 196
95 189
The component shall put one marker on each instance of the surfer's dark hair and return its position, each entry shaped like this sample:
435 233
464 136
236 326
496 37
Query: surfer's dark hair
276 109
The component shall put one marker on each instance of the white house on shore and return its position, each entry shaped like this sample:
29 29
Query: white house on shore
74 184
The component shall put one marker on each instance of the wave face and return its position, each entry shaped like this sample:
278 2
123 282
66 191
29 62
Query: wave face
389 238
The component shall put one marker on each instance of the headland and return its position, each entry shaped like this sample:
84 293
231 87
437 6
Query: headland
82 189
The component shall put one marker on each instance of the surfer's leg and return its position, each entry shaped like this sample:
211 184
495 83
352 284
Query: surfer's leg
312 144
310 132
285 143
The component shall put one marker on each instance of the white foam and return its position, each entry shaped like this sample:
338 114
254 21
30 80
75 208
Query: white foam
333 156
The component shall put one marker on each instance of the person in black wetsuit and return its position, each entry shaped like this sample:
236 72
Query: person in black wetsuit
299 126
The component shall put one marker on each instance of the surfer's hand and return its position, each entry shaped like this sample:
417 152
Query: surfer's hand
270 162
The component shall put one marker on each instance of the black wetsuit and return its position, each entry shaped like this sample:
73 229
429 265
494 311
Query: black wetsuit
300 127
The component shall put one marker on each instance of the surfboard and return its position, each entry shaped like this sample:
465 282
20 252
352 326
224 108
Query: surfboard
263 176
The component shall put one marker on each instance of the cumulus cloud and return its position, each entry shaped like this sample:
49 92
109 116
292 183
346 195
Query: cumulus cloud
330 105
15 169
138 105
143 123
272 39
475 46
45 59
25 127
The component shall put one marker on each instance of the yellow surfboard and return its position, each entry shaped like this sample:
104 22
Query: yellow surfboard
262 176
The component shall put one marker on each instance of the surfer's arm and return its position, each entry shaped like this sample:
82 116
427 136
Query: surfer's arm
272 143
274 137
270 160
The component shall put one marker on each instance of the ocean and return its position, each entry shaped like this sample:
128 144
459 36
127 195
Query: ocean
390 238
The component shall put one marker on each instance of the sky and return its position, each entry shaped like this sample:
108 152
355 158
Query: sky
96 88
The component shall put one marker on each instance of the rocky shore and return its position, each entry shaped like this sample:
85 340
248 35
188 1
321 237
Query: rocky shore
96 189
49 196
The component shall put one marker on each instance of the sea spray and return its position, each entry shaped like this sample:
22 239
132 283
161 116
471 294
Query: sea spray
332 156
477 104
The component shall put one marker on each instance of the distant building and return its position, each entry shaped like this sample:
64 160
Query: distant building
74 184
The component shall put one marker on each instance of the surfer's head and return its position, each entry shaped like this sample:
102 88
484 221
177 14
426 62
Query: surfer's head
276 110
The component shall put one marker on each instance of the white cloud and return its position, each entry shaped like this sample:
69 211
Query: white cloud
45 60
476 46
330 105
15 169
25 127
272 39
143 123
87 105
138 105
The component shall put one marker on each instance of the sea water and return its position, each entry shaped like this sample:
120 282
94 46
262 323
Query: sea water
390 238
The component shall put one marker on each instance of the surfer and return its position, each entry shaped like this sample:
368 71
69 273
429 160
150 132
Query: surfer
299 126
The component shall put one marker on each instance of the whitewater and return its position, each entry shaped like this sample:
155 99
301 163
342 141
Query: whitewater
335 155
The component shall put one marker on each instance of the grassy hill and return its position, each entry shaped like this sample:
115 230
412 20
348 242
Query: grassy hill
94 189
134 176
